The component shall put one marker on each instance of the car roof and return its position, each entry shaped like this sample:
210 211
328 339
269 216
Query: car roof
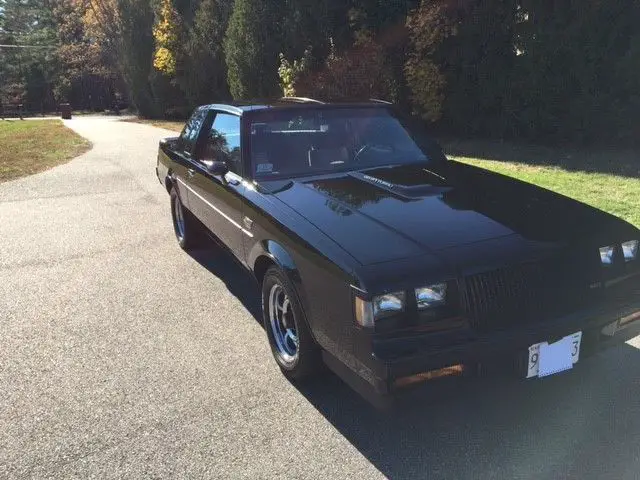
241 107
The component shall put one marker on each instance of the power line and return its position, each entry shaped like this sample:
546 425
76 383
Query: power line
28 46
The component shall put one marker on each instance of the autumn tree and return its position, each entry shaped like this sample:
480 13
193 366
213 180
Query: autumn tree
166 33
88 76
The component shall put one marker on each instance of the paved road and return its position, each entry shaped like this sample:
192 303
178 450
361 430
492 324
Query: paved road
122 356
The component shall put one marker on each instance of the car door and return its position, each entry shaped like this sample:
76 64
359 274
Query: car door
217 200
182 155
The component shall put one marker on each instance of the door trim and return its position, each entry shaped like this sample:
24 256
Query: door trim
217 210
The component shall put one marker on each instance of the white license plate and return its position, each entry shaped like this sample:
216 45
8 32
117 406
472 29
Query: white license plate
546 359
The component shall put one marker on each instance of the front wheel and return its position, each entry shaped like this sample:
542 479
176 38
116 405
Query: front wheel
291 342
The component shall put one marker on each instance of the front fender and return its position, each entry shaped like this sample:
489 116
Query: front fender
324 293
279 255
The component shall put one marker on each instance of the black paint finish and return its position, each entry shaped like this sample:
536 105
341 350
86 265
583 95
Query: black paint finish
370 231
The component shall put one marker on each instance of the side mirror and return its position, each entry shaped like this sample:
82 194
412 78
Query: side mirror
215 167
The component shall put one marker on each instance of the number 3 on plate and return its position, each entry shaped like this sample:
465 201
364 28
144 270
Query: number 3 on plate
576 340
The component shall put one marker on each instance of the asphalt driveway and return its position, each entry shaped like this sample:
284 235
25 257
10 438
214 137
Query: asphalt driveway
122 356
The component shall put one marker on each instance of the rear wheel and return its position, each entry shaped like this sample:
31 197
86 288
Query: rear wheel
184 224
291 342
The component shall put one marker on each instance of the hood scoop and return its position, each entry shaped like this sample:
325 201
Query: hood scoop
409 181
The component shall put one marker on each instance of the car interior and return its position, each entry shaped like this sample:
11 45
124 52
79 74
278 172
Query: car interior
299 145
305 149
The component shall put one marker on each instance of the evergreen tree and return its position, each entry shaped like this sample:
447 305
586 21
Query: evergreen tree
203 77
123 29
28 74
251 47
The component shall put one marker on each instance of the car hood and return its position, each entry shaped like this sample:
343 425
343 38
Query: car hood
396 212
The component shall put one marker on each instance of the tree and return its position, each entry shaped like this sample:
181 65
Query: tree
28 74
166 33
87 77
123 28
251 47
429 26
359 72
572 76
478 60
203 76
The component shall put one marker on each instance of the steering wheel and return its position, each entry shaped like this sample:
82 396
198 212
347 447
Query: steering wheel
369 146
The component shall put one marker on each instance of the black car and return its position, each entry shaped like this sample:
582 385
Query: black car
387 262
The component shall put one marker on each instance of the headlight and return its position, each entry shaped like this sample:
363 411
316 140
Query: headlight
431 296
381 306
606 255
630 250
389 303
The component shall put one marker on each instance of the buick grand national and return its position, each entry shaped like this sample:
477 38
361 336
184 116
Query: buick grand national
385 261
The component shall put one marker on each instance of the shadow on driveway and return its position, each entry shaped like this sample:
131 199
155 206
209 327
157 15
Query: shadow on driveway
218 260
580 424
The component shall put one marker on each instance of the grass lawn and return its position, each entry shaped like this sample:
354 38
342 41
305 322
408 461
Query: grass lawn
175 126
31 146
608 180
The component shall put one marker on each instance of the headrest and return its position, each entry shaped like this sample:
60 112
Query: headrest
327 156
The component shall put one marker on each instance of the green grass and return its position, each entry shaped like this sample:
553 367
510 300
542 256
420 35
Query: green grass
31 146
608 180
175 126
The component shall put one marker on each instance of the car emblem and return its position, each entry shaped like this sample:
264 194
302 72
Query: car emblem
378 181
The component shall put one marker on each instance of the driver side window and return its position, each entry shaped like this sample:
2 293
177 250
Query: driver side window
189 134
222 142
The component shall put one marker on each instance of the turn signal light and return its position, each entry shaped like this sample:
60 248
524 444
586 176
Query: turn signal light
629 318
364 313
454 370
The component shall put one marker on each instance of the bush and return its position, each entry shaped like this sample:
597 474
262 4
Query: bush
359 72
291 72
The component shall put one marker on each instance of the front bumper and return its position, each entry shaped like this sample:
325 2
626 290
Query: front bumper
601 328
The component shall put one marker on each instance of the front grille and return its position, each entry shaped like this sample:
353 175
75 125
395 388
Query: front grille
523 294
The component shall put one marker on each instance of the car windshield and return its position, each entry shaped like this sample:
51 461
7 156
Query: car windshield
288 143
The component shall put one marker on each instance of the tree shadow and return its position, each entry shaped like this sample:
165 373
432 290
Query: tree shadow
580 424
613 161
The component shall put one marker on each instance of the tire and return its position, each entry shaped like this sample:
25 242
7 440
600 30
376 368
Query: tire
185 226
292 344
